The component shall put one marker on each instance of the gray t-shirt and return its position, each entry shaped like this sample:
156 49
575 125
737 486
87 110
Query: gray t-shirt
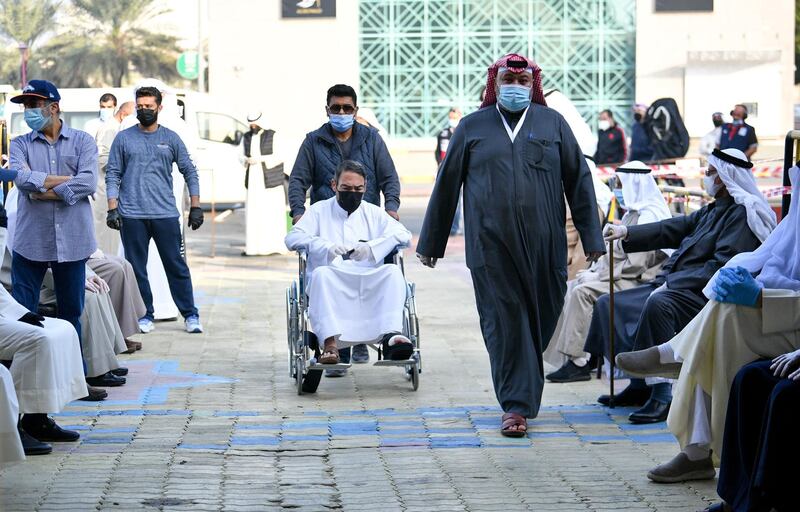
345 147
139 172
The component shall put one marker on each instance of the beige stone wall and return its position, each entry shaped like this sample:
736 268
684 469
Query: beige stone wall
283 67
742 52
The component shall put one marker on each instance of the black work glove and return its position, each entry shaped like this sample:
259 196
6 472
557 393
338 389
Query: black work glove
113 219
34 319
195 217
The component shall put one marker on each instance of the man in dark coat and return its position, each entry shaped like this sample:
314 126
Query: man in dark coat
337 140
341 138
516 160
612 148
704 241
758 471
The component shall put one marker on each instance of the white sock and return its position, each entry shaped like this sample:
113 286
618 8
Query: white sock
665 354
580 361
697 452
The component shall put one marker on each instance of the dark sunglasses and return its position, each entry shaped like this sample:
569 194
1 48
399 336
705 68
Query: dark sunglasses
342 109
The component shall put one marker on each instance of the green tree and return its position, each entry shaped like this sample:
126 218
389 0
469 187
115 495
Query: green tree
106 41
25 22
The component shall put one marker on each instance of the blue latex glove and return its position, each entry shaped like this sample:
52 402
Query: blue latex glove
737 286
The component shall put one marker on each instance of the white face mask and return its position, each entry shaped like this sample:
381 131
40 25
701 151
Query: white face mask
453 122
604 124
711 185
106 114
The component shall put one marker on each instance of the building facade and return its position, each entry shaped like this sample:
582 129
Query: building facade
410 60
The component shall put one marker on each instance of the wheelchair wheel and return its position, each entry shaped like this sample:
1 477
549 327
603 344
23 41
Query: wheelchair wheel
292 327
413 371
298 374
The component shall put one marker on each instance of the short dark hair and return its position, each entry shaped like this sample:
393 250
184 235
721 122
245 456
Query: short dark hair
342 91
145 92
350 166
108 97
608 113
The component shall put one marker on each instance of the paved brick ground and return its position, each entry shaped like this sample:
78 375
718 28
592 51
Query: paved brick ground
212 421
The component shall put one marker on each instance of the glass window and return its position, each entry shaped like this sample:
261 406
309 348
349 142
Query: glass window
219 128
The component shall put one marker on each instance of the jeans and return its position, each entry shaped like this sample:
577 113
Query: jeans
136 235
69 278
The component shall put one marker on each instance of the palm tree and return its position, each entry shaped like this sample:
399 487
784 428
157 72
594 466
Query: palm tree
23 23
108 40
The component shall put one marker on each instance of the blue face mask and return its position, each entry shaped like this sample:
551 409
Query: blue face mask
620 199
514 98
35 119
342 122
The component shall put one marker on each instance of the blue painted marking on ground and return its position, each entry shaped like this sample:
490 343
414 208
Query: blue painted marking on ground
202 446
587 418
592 439
653 438
255 440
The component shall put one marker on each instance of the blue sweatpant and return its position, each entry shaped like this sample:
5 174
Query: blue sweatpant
136 235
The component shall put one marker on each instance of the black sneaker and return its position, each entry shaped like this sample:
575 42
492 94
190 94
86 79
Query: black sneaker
44 428
360 354
627 398
571 372
31 445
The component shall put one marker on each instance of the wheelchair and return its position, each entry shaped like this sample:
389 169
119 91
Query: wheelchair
304 349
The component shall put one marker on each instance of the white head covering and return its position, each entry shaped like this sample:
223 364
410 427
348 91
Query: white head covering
776 259
641 193
257 118
742 186
602 193
580 128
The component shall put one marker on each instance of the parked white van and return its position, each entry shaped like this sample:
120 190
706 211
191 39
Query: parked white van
217 149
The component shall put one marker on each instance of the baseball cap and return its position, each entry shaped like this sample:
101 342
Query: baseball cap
38 89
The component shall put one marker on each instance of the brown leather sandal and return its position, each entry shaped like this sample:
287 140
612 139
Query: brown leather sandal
329 356
512 419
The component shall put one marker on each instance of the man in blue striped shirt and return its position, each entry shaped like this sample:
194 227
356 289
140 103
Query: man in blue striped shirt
56 170
56 173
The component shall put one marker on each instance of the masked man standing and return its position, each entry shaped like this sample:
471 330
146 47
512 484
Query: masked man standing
142 206
516 159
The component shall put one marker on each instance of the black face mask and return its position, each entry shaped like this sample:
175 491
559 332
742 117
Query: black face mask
349 201
717 123
637 117
147 116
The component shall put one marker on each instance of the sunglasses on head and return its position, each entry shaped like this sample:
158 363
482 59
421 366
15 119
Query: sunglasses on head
342 109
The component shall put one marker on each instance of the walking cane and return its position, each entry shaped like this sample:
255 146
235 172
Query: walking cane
611 330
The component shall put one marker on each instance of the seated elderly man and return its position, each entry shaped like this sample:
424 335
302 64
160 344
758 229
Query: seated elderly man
747 319
353 297
46 368
637 193
759 462
737 221
11 450
101 338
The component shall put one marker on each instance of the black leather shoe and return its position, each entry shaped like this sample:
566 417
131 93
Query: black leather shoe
107 380
654 411
44 428
627 398
571 372
32 446
95 395
120 372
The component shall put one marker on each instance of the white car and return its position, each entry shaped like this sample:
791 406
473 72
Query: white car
216 149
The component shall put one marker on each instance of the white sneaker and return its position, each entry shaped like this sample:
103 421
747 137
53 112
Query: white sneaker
193 325
146 325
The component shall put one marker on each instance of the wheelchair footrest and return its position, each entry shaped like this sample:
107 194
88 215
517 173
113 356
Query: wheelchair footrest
388 362
337 366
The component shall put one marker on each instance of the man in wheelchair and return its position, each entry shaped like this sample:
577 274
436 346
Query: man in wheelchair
353 297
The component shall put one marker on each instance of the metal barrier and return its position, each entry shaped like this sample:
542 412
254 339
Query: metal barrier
791 154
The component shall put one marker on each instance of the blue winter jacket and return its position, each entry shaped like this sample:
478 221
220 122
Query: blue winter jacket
319 156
